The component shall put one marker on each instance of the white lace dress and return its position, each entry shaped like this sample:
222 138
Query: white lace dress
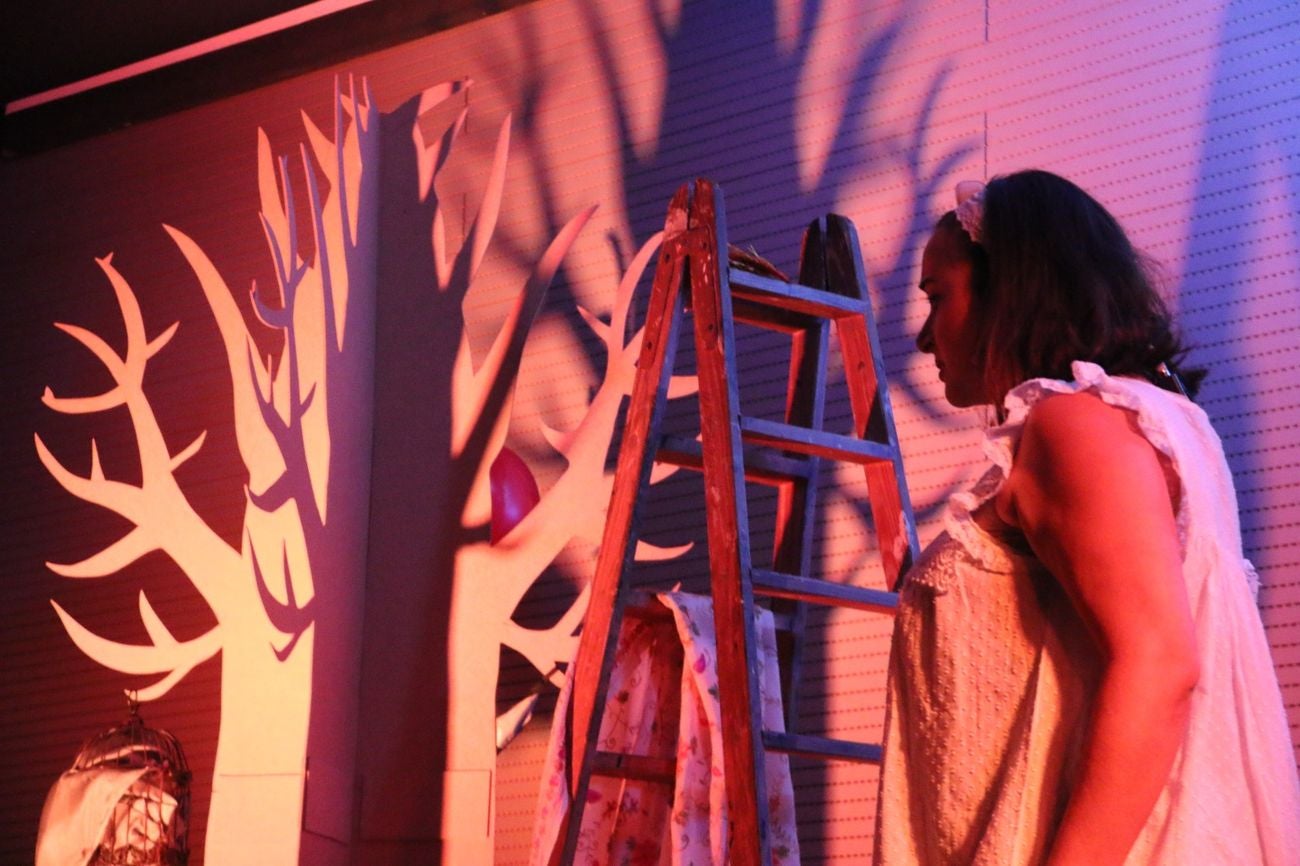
991 675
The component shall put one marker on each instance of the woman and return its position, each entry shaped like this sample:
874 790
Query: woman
1079 674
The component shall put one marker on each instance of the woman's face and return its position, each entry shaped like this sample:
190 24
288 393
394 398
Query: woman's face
949 329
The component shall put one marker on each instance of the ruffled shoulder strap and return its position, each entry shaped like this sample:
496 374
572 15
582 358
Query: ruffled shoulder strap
1000 447
1176 427
1140 397
1149 404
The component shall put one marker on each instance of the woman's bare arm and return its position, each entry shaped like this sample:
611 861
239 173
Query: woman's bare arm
1088 491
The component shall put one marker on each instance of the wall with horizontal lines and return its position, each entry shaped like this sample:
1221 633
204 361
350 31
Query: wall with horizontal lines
1177 115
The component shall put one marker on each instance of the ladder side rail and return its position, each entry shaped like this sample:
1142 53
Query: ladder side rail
864 367
796 503
890 508
593 663
796 516
728 534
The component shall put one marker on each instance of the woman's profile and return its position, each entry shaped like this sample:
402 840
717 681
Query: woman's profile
1079 674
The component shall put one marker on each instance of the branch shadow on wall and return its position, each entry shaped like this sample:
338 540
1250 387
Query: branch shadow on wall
730 113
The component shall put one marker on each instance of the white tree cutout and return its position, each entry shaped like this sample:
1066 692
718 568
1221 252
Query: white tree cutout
298 415
490 579
265 597
157 508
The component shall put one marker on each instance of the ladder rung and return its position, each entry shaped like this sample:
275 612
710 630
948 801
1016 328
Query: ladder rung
794 297
641 767
761 466
821 747
750 312
788 437
782 620
643 605
774 584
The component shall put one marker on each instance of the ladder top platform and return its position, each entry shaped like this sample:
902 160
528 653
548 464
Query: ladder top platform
793 297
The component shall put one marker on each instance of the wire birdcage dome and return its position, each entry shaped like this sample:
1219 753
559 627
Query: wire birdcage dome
150 823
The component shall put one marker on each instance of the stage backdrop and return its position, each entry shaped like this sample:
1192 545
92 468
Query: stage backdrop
262 356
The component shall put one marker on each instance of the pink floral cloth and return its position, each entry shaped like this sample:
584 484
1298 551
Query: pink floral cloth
663 701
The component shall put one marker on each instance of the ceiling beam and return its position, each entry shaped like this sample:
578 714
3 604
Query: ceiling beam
243 59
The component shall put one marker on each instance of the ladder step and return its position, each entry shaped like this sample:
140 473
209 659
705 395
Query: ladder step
747 312
774 584
642 767
821 747
761 466
788 437
643 605
793 297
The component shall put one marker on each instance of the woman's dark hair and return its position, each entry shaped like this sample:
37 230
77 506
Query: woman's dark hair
1055 280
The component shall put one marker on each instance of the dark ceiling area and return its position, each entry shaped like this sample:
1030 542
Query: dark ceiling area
51 43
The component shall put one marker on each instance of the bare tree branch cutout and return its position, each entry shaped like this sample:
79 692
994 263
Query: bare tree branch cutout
161 515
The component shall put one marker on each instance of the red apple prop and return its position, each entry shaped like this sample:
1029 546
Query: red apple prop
514 492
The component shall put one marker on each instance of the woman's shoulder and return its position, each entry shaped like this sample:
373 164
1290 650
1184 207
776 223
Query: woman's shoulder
1079 435
1078 420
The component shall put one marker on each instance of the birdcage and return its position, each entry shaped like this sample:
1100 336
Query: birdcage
149 825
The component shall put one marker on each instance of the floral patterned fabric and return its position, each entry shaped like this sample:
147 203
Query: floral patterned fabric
663 701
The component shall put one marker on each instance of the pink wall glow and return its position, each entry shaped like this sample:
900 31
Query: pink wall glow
1178 116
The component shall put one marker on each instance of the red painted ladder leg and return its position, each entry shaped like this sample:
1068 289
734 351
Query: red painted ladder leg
830 295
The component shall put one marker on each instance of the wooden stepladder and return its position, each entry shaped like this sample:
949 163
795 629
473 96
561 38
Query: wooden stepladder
694 273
